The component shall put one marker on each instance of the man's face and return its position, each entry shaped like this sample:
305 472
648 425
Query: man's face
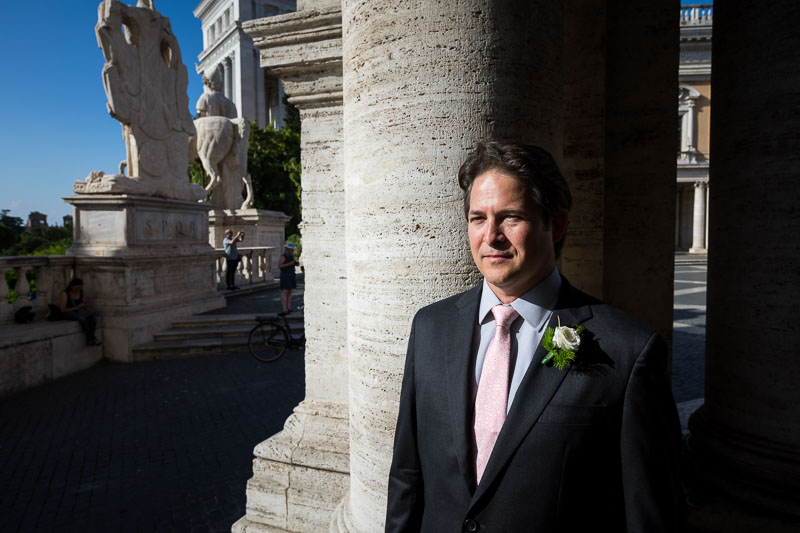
510 242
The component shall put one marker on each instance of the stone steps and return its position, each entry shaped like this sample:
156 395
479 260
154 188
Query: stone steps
205 335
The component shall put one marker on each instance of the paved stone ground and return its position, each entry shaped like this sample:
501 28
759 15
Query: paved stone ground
157 446
689 332
166 446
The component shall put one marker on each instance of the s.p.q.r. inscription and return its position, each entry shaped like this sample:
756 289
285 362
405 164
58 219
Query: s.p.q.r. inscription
169 227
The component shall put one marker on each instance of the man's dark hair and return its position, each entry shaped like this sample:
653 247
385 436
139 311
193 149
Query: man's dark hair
532 165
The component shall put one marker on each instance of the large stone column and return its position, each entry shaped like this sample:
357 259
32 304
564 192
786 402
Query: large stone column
621 68
422 82
746 437
301 474
699 219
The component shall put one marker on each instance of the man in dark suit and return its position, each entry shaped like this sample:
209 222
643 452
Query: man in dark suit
498 433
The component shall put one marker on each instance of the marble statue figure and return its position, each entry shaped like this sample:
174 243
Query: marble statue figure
145 81
221 146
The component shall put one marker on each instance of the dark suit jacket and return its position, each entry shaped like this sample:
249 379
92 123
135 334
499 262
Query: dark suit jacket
593 447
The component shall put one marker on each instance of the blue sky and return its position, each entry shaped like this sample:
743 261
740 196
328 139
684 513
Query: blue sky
55 126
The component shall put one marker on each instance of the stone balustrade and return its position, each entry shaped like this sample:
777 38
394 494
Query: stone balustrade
697 14
39 281
255 266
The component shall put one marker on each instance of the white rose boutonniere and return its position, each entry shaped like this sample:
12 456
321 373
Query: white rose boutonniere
561 344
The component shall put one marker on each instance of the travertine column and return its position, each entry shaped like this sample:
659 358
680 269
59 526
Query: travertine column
621 68
422 82
699 219
301 474
746 437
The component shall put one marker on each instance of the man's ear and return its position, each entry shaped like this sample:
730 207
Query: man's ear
559 224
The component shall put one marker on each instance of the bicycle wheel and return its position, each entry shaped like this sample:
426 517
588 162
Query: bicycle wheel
267 342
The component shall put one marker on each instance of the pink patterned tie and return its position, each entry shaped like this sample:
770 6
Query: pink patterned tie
492 399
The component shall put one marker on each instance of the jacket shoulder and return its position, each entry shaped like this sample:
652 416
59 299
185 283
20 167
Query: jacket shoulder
450 304
615 328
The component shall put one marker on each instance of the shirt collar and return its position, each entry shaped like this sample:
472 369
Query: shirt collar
534 306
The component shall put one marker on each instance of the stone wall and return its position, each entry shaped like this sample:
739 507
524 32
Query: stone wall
34 353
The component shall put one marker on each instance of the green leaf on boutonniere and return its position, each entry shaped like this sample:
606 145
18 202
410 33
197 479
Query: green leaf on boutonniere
559 355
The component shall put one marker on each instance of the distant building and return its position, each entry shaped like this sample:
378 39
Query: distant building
257 95
36 220
694 121
67 220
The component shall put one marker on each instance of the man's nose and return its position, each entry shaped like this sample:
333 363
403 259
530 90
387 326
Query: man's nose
494 232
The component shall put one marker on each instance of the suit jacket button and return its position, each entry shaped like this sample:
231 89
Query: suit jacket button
471 526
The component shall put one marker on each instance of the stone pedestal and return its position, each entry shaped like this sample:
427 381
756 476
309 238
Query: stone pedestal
261 227
144 261
301 474
745 439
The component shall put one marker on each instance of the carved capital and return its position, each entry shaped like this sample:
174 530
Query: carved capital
304 50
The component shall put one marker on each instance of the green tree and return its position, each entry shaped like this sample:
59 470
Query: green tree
52 239
10 229
197 174
273 161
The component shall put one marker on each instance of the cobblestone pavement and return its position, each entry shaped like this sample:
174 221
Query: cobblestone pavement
157 446
689 332
166 446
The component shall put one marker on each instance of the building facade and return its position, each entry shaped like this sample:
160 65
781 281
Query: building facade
257 95
694 121
36 220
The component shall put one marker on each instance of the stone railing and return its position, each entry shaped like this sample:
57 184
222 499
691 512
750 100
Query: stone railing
255 266
697 14
40 279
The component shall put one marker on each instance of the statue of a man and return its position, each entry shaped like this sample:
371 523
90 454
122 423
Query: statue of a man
213 103
221 145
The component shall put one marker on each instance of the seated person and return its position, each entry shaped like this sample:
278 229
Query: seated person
73 307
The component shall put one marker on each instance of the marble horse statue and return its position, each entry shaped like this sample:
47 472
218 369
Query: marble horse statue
221 146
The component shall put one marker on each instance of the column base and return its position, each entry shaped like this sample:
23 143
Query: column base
300 474
739 484
340 521
698 250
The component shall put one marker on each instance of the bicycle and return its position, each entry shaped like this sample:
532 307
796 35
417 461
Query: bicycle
270 338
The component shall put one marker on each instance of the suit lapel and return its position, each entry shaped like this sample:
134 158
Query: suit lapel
535 391
458 369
